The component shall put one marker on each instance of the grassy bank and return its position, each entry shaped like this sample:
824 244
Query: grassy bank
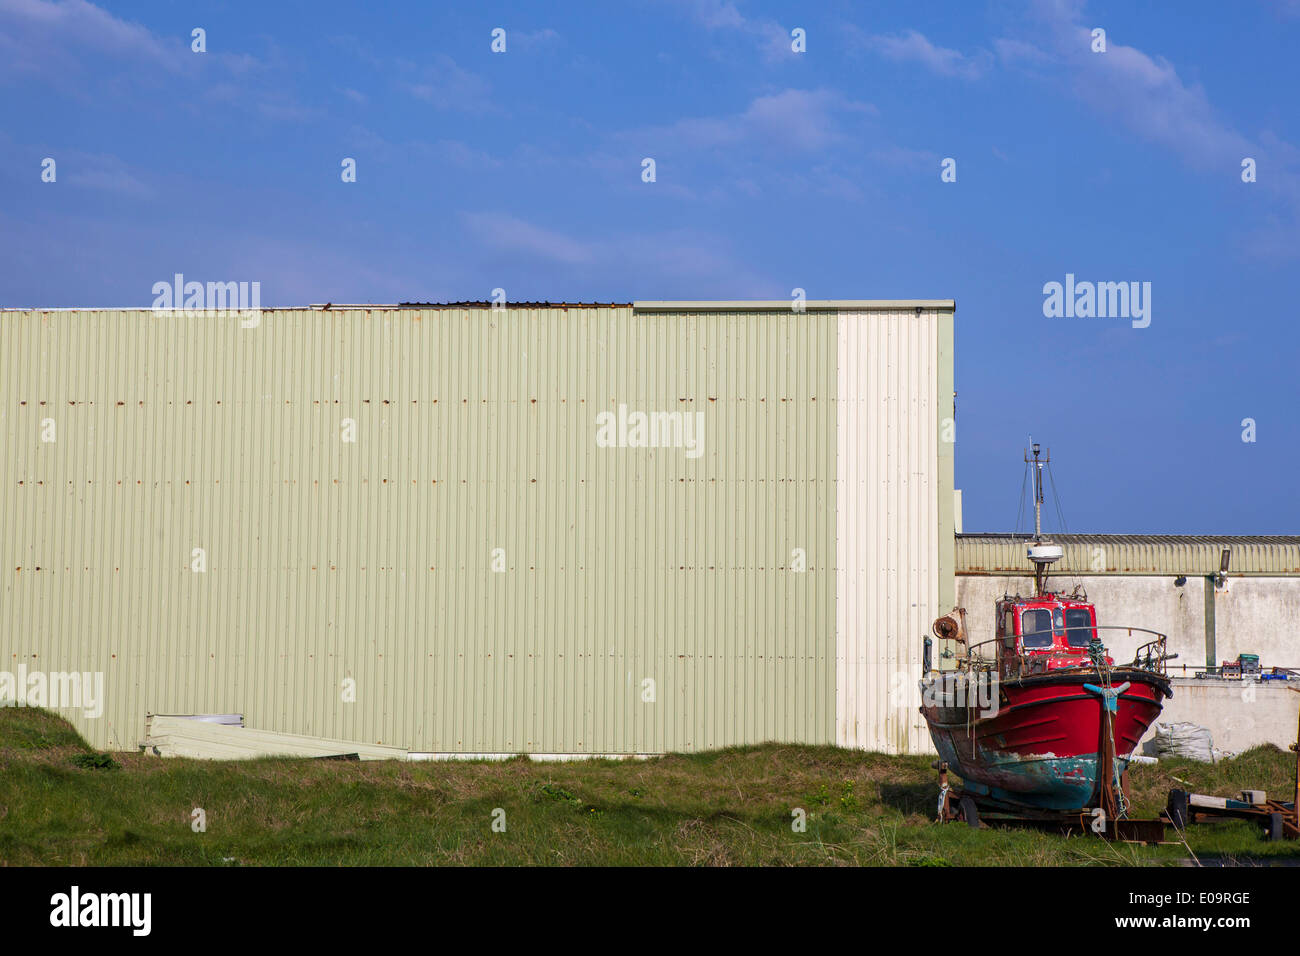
60 803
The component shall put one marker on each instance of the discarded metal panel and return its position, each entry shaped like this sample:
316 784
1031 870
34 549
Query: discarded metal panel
183 737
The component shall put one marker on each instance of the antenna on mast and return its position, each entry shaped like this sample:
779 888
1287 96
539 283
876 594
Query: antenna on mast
1040 553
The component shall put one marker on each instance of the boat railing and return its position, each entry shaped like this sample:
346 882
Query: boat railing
978 659
1152 655
1118 627
1149 656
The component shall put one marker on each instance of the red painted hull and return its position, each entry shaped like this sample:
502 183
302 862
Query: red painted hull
1041 747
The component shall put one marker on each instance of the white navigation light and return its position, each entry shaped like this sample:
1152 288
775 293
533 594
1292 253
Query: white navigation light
1045 553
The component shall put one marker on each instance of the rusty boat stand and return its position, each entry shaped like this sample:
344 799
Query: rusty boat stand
1100 819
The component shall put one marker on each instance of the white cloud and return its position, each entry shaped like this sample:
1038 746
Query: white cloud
461 154
47 29
104 173
913 47
772 39
52 38
439 80
447 86
699 264
791 120
88 53
453 152
1018 51
508 234
1145 94
900 157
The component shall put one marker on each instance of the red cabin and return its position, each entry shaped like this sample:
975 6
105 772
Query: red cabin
1042 634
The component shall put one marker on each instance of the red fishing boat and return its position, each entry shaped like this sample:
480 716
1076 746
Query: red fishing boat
1040 716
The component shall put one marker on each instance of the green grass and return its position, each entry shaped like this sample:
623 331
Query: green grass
60 803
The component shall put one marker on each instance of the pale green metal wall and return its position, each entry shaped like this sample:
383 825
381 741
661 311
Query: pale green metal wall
476 430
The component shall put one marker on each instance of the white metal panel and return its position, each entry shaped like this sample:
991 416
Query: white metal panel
183 737
887 523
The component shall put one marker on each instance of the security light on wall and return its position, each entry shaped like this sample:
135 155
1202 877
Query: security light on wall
1222 576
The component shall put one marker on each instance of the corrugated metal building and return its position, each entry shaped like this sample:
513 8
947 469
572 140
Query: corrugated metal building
446 529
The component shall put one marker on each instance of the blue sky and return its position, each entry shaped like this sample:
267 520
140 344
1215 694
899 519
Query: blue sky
774 170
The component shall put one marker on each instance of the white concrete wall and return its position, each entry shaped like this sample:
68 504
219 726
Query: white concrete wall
1239 716
1259 616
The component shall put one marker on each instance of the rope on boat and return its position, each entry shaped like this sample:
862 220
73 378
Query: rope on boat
970 725
1120 799
1097 654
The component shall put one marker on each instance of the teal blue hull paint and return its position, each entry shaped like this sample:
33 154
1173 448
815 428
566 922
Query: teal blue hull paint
1060 783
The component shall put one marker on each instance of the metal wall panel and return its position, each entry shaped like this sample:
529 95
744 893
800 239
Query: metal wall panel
372 561
889 490
1134 554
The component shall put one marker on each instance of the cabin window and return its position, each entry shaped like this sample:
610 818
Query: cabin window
1078 626
1036 628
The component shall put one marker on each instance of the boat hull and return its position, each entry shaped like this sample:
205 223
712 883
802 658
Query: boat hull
1042 746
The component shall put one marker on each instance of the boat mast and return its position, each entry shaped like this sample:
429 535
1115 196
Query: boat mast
1038 491
1039 553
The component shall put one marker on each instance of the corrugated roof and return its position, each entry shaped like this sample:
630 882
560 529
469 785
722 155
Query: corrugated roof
343 307
766 305
1178 554
483 304
686 305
